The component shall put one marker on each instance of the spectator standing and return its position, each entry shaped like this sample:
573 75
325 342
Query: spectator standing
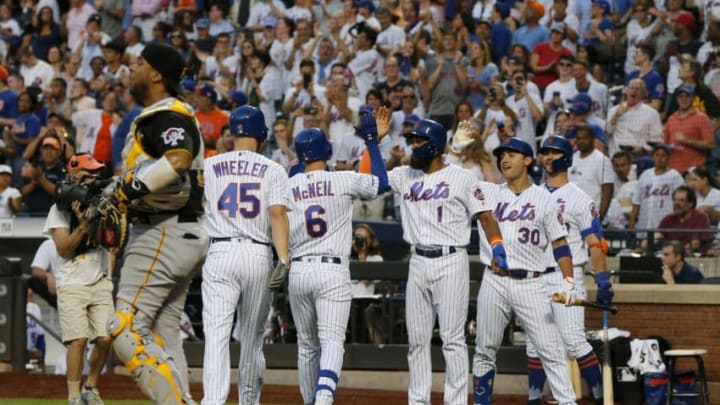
639 30
447 82
75 21
265 89
115 70
46 33
532 33
99 125
210 117
90 46
113 13
653 199
704 100
10 197
558 91
558 14
654 82
599 31
42 175
527 107
688 132
223 62
34 71
597 91
591 170
55 96
546 56
392 87
25 129
675 269
364 64
634 126
501 36
685 46
390 36
686 216
481 73
218 21
133 38
145 14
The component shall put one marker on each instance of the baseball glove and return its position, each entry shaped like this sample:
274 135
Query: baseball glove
278 275
107 223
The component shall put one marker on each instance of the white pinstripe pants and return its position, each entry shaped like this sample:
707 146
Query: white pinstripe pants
498 298
235 275
320 301
569 320
438 287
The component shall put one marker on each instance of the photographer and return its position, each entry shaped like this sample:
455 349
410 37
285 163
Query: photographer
84 292
366 248
41 173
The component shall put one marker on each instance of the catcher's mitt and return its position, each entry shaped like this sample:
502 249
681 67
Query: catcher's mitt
107 224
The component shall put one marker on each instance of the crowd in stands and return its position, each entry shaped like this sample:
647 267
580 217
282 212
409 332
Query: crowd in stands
633 84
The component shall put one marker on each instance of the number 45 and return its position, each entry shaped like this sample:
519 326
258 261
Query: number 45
247 194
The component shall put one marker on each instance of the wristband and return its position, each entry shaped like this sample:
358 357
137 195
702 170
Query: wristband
602 245
562 251
496 241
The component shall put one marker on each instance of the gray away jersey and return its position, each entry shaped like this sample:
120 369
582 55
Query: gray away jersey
437 208
239 189
321 211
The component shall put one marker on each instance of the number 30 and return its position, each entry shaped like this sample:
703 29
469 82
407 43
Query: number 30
526 235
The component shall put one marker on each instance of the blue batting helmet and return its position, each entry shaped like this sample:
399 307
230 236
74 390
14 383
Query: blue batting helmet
311 144
516 145
248 121
436 136
561 144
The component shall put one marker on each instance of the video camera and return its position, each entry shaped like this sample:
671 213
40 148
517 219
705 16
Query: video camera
68 191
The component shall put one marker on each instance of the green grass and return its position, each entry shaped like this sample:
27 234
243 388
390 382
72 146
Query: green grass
25 401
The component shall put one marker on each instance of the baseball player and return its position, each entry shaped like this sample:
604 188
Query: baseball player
438 202
161 189
529 220
321 228
584 232
246 197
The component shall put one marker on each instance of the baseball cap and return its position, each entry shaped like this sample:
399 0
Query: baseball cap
83 161
270 21
602 3
690 90
238 97
5 169
643 163
685 17
581 104
503 9
368 4
188 84
52 142
411 119
208 91
558 26
95 18
539 8
202 23
166 60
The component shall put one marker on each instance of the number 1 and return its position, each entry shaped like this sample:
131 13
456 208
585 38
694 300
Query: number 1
439 214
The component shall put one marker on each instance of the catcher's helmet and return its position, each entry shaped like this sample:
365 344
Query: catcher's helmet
311 144
436 136
248 121
561 144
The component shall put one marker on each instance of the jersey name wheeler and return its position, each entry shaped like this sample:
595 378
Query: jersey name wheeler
529 222
239 189
578 212
321 211
436 208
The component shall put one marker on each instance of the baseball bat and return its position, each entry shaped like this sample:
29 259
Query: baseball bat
560 297
608 395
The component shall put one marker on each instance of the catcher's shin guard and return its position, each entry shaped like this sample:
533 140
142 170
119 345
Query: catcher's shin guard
154 373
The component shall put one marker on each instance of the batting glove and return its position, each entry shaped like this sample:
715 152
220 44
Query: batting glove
278 275
368 128
463 137
568 288
499 258
605 293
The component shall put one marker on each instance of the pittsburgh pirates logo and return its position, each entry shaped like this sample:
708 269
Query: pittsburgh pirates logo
172 136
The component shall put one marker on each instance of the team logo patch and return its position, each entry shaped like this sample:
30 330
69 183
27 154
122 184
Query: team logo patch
561 220
479 194
239 129
171 136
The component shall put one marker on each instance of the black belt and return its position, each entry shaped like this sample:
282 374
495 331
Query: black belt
238 239
320 259
433 252
523 274
155 218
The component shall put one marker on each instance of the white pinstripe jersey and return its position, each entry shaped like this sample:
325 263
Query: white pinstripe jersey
436 208
239 189
654 196
578 211
321 211
491 192
529 222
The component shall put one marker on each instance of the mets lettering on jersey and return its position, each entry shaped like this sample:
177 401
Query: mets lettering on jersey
418 192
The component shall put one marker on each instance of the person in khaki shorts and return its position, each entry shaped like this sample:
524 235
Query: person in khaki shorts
85 301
